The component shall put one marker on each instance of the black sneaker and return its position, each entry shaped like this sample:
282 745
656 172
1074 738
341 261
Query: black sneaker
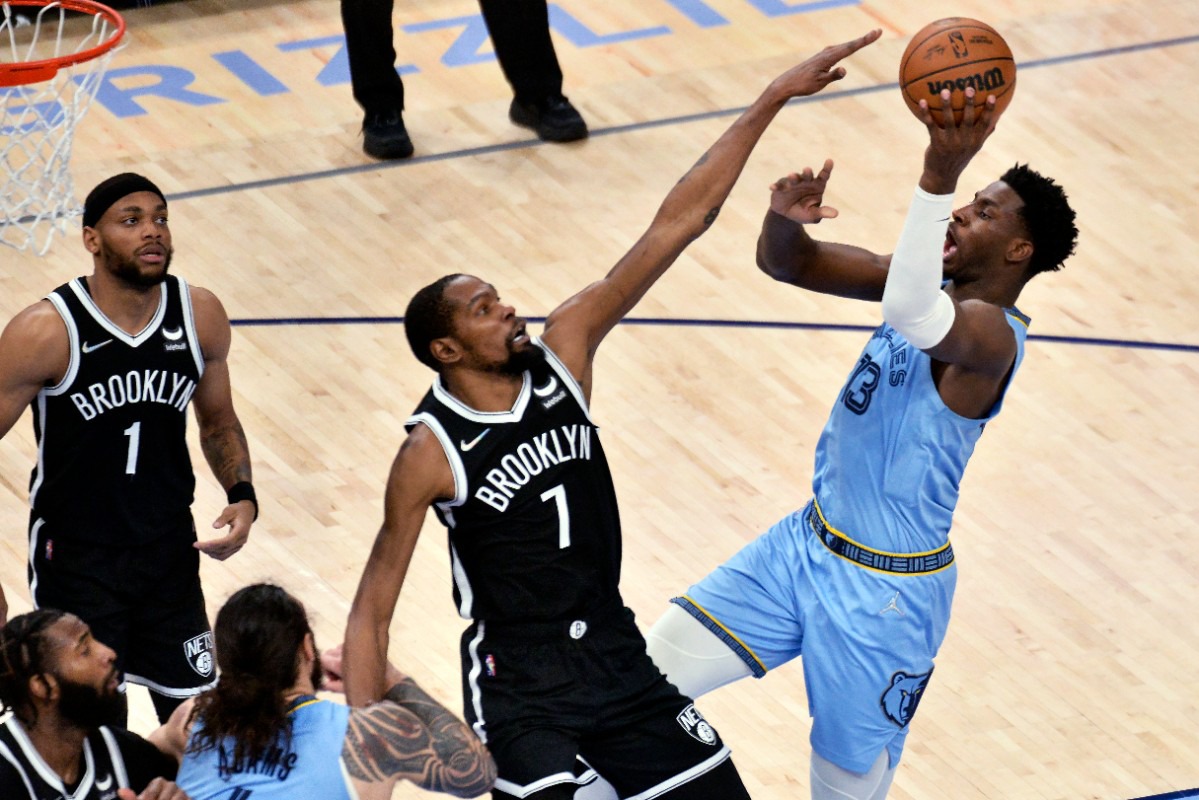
384 136
554 119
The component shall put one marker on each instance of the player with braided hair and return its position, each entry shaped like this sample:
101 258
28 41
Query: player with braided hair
60 685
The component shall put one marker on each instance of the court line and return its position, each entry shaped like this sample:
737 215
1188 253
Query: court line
822 97
1132 344
1186 794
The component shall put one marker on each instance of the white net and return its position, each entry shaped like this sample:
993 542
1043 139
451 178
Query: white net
38 117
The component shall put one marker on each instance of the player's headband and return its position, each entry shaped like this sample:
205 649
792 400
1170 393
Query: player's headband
110 191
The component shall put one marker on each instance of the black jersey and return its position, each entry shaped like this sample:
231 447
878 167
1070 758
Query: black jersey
533 526
113 465
112 759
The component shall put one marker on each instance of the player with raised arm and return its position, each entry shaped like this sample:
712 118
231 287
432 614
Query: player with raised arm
860 580
556 680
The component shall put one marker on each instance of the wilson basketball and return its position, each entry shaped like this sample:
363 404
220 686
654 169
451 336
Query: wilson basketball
954 54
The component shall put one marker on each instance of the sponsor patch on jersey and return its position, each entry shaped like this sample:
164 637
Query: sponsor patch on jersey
171 346
694 723
198 652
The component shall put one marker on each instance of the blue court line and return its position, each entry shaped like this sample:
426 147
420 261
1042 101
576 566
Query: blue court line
264 322
1185 794
821 97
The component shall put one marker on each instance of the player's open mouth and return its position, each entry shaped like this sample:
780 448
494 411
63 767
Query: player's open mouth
519 336
950 248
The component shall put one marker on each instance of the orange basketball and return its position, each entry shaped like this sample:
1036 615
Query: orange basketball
954 54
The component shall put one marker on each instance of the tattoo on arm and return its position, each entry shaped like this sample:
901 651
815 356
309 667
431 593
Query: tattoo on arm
415 738
711 216
227 453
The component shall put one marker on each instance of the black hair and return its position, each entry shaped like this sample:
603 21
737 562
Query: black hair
429 316
24 653
258 635
1047 216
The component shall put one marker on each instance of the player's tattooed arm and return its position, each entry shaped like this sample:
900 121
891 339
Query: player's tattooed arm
415 738
227 452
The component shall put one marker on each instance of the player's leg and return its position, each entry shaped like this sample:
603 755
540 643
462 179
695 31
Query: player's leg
521 700
744 618
830 782
868 659
170 644
649 740
691 657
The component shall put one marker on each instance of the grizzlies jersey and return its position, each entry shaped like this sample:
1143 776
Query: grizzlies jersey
113 465
890 459
533 525
112 760
308 765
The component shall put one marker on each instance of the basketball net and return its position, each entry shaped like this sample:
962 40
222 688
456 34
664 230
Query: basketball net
53 56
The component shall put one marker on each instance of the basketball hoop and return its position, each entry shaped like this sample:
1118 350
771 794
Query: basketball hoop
53 55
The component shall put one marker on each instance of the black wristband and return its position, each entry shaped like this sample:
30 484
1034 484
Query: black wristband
243 490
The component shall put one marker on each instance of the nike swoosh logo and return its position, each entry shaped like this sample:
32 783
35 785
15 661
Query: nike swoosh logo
470 445
87 348
548 389
174 335
104 784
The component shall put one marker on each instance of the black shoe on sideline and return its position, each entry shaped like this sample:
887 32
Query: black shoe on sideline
554 119
385 137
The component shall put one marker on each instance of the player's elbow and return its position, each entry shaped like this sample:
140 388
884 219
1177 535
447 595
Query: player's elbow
922 323
476 777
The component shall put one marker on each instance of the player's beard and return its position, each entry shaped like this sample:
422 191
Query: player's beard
86 706
127 269
519 361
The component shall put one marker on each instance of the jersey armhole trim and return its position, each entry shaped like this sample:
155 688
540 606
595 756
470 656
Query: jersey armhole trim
73 343
566 377
116 757
457 468
189 324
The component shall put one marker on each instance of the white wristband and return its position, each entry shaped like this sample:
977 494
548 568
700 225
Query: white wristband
913 303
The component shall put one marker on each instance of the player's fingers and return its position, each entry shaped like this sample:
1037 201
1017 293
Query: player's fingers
854 45
826 170
828 212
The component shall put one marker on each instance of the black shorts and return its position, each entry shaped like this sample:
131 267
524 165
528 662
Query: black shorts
558 702
144 602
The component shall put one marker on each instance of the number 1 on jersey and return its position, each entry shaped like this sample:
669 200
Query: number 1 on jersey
558 493
134 432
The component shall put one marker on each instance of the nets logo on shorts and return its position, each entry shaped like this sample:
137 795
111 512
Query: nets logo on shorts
198 652
694 723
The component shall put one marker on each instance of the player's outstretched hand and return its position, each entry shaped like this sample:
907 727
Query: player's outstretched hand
159 789
798 196
238 517
821 69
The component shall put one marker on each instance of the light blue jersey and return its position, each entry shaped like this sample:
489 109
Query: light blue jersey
860 581
308 767
891 457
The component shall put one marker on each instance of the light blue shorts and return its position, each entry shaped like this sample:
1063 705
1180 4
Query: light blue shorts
867 636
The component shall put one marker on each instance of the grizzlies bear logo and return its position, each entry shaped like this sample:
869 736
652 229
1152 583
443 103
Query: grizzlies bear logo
903 695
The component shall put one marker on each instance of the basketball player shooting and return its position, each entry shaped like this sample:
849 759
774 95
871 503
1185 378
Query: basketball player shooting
555 676
860 581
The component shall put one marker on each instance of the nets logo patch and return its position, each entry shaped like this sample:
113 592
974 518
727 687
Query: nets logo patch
198 652
694 723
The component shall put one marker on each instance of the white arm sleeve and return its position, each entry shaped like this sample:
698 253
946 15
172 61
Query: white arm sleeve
913 302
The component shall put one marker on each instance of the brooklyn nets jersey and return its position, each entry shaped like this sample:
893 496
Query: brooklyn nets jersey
112 759
533 525
113 464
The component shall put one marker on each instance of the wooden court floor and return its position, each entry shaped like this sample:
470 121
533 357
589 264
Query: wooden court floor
1069 669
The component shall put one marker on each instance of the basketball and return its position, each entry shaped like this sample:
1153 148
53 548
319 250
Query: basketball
954 54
